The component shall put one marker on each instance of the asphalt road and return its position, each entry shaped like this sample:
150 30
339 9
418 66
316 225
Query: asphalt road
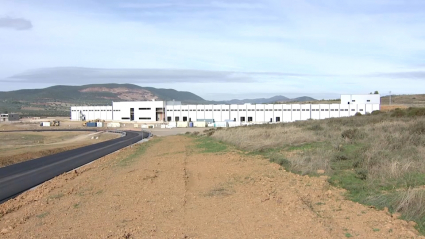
17 178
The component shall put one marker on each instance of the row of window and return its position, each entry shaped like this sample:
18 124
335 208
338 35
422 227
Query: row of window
272 110
91 110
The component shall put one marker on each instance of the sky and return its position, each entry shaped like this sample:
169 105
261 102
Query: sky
219 50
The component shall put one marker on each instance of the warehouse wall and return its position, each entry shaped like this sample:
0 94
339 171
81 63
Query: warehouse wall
147 111
91 112
265 112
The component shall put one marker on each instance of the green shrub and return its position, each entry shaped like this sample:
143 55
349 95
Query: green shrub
398 113
415 112
361 173
282 162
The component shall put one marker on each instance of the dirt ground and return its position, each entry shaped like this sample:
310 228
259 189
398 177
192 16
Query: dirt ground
392 107
169 188
21 146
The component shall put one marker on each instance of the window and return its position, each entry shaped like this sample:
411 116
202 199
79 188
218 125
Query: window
307 110
176 118
125 118
346 109
284 109
368 100
298 109
353 110
144 108
361 109
184 118
145 118
332 109
326 109
169 118
353 100
249 119
277 119
322 110
303 109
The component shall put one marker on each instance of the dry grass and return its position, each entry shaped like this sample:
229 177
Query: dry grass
392 107
22 146
407 100
366 155
260 138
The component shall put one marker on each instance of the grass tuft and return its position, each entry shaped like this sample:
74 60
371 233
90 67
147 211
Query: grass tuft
208 145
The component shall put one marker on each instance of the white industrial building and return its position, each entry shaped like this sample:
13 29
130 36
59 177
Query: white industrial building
161 111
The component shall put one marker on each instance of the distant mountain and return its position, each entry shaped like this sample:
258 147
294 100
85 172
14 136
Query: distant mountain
274 99
57 100
302 99
99 93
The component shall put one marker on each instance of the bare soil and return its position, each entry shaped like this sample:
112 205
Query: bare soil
175 190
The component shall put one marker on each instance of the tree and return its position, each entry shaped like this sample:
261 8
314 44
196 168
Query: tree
376 92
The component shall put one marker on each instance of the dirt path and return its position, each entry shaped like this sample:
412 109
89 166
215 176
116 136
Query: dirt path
175 191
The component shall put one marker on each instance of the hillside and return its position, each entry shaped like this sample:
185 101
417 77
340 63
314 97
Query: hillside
406 100
56 100
274 99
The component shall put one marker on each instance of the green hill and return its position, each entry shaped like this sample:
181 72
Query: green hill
56 100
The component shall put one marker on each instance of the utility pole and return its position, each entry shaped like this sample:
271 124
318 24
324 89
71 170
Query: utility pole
390 97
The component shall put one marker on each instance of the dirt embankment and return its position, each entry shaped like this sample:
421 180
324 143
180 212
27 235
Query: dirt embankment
169 188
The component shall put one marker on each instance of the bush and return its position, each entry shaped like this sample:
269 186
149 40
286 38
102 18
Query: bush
361 173
358 114
416 111
315 127
398 113
350 134
282 162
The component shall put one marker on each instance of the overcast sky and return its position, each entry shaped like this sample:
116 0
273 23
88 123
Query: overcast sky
217 49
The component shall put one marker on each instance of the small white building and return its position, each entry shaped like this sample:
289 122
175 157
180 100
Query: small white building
172 111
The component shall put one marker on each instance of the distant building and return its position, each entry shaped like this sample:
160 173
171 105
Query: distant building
9 117
161 111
